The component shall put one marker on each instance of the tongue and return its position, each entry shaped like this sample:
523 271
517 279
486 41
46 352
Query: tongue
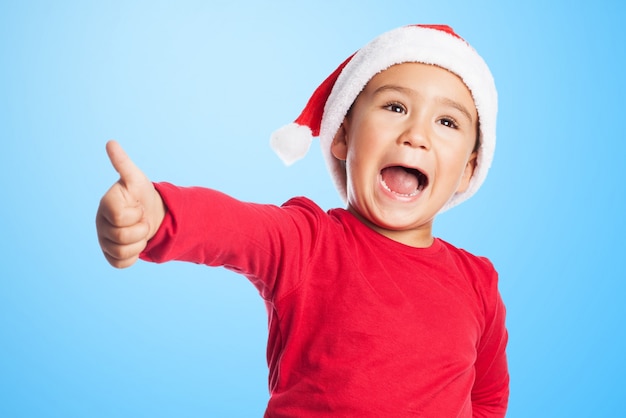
399 180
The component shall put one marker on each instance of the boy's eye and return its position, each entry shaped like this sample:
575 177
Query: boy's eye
395 107
448 123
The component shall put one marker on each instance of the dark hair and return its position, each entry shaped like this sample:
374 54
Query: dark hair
477 144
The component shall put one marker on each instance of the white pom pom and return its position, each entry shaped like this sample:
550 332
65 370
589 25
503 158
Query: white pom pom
291 142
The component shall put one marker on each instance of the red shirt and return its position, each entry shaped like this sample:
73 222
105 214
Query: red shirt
359 325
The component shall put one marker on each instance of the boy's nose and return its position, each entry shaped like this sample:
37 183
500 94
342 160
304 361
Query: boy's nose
416 135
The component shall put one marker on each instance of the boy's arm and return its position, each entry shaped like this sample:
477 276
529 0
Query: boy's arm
130 212
160 222
266 243
490 393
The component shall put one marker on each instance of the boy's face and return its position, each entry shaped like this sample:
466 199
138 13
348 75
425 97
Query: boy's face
408 145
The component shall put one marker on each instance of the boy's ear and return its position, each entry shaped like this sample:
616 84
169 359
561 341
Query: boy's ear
468 172
339 146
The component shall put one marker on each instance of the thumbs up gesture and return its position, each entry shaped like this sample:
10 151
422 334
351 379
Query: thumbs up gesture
129 214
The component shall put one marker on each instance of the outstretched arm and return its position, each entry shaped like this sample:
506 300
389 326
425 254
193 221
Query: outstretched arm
129 213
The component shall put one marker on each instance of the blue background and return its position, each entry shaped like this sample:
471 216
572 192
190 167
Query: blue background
192 90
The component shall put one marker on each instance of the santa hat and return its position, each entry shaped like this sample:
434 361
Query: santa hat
429 44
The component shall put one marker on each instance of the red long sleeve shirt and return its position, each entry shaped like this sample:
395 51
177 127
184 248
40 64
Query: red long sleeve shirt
359 325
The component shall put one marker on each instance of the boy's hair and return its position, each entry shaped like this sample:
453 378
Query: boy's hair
429 44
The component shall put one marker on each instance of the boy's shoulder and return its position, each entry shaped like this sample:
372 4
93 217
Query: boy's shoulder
463 254
304 203
479 270
316 214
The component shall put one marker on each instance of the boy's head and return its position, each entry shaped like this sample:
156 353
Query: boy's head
437 45
408 143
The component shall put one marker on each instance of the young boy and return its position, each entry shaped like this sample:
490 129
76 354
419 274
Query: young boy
369 314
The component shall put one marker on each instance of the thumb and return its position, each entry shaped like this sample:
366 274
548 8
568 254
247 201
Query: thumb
129 173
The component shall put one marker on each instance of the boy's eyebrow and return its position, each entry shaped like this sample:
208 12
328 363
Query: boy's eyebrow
441 100
458 106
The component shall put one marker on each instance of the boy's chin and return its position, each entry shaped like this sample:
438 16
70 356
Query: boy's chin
418 232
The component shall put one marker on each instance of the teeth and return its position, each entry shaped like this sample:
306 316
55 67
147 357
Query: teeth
415 193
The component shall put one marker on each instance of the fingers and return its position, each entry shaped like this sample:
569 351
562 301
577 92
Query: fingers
123 256
120 210
122 245
129 173
127 235
122 227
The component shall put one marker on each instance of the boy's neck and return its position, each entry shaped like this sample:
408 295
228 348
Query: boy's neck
421 237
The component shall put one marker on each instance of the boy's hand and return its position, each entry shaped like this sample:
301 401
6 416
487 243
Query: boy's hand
129 214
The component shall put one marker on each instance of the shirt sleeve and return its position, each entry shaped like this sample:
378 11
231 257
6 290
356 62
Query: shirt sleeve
262 242
490 393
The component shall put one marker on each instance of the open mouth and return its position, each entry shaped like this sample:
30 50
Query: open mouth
403 181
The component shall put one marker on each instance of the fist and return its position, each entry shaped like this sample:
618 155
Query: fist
129 213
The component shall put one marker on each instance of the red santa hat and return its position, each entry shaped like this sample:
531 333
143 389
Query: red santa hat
429 44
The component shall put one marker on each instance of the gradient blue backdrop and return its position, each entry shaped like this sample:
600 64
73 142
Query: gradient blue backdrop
192 90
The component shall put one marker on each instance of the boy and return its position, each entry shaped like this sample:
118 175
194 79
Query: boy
369 314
